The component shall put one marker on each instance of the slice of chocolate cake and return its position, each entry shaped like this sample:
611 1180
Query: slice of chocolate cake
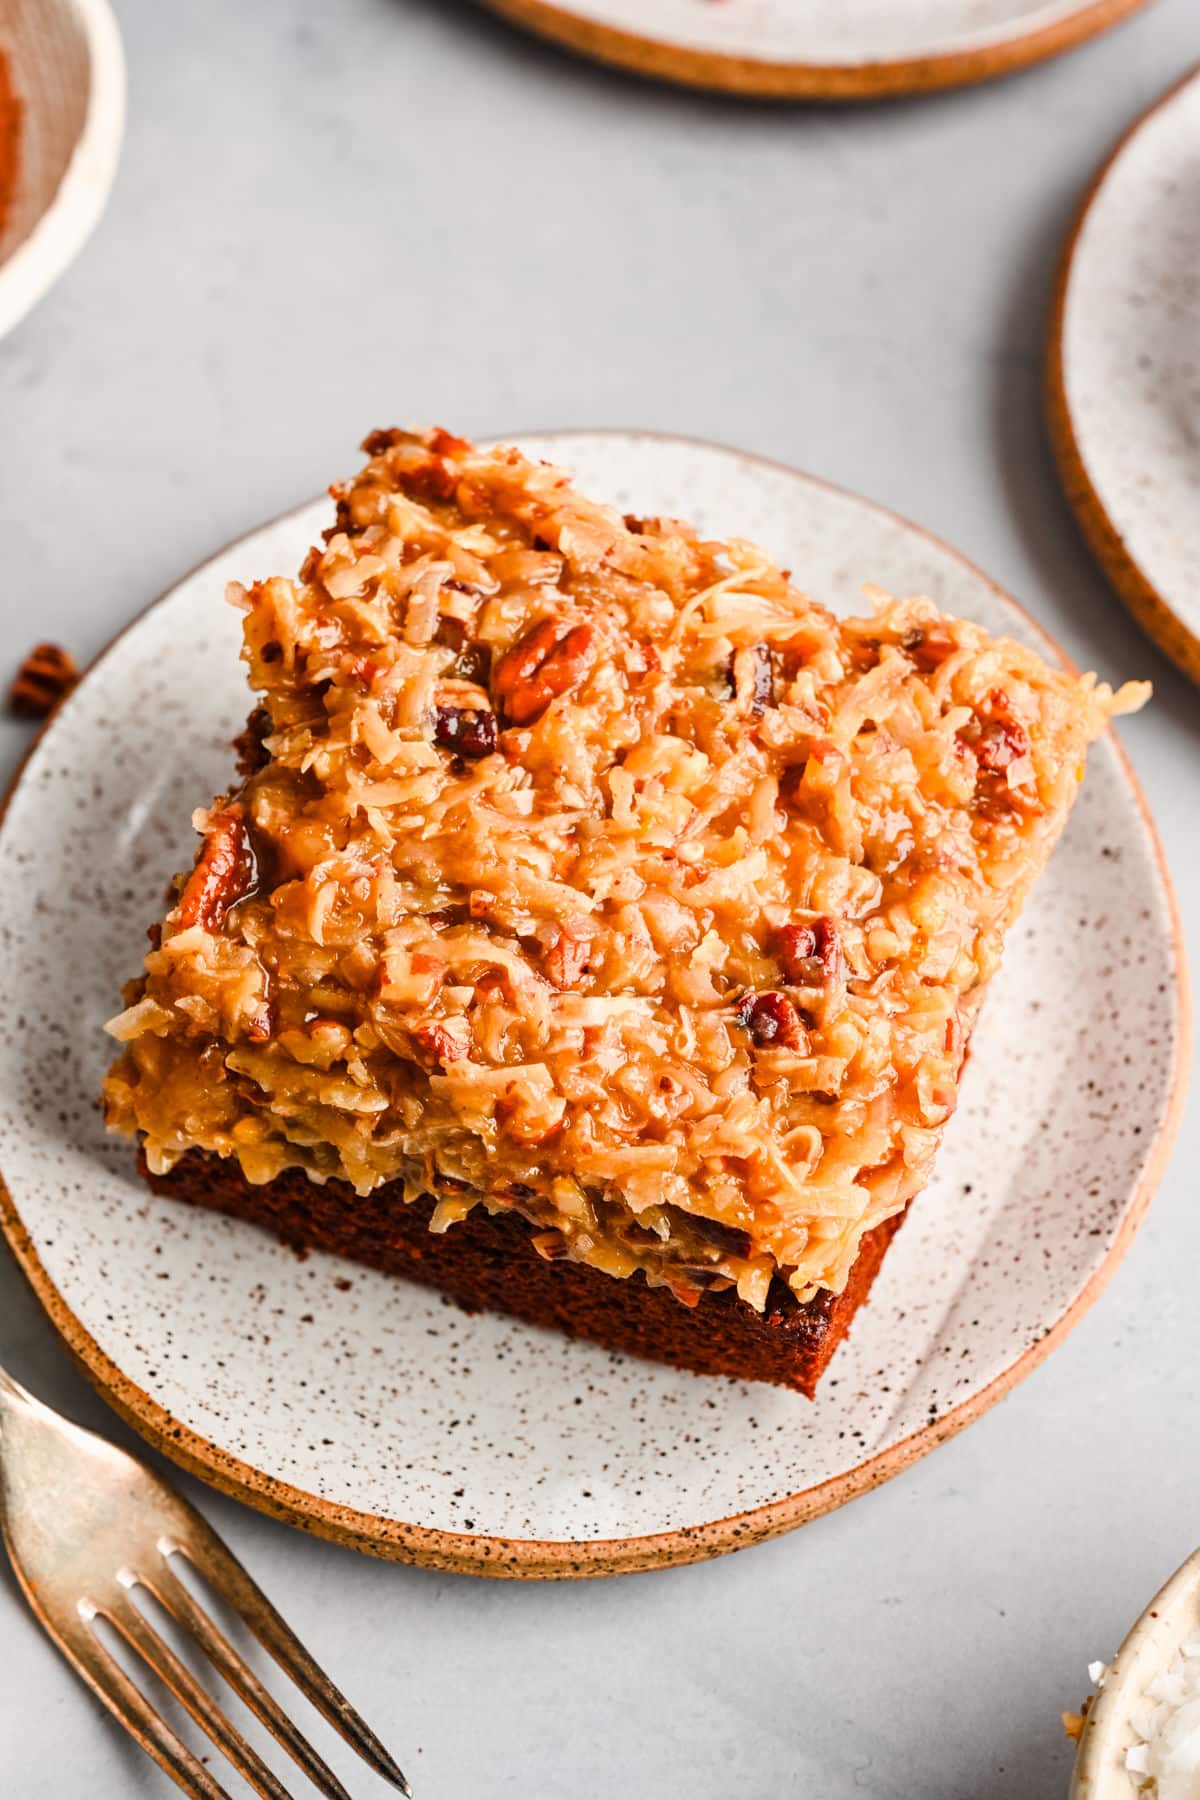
598 925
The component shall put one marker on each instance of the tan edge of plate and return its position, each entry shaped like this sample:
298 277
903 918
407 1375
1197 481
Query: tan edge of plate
809 81
1152 611
533 1559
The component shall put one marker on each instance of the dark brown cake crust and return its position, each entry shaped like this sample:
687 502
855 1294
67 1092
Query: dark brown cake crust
487 1263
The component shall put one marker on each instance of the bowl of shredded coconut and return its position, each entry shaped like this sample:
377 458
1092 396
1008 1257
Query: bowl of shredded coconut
1139 1731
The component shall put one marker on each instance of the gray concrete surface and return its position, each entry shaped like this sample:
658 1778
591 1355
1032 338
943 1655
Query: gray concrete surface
330 217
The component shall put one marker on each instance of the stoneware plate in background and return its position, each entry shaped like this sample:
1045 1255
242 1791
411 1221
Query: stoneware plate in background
850 49
373 1411
67 68
1123 371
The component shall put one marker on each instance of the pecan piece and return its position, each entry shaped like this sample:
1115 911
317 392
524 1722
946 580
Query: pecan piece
451 633
864 655
730 1240
493 984
224 872
545 664
467 730
376 443
259 1029
996 735
1001 743
1002 739
442 1042
928 646
250 744
454 914
566 960
752 680
772 1021
703 1276
45 677
473 663
444 443
428 479
810 954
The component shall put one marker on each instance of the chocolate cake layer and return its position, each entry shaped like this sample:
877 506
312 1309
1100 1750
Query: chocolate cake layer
488 1263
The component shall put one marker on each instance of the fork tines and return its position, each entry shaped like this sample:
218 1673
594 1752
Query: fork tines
226 1576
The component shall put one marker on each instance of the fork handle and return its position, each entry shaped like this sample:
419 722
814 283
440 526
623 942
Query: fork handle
12 1394
16 1405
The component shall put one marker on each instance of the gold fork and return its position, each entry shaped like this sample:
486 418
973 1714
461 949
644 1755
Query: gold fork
86 1526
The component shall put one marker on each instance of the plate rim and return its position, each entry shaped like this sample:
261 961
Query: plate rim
1152 610
790 80
478 1553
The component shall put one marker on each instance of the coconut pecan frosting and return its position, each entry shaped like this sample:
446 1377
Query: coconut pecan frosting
585 867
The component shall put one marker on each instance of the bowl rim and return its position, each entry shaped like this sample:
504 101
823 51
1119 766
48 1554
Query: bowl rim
35 264
1099 1772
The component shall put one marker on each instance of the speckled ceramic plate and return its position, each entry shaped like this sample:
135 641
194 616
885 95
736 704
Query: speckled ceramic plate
374 1412
1123 371
850 49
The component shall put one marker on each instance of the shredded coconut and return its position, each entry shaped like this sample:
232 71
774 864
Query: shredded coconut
587 868
1165 1721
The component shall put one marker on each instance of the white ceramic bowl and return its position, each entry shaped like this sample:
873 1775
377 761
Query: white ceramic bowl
66 63
1170 1620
